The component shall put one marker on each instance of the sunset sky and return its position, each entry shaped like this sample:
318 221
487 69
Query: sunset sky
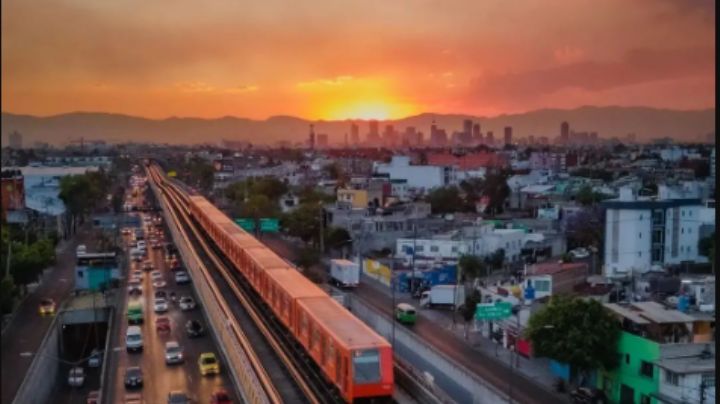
337 59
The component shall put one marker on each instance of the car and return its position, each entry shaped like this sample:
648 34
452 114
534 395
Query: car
162 324
580 252
173 353
76 377
156 245
155 275
95 359
208 364
160 294
187 303
126 230
147 266
177 397
160 305
133 339
136 274
220 397
181 277
46 307
133 398
134 288
160 283
93 397
133 377
194 329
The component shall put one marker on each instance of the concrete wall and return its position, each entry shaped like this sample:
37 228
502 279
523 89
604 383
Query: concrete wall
40 377
461 385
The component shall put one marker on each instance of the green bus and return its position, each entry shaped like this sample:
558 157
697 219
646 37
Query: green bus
135 312
405 313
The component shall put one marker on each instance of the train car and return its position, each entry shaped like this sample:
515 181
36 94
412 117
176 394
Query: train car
256 261
282 288
352 356
240 242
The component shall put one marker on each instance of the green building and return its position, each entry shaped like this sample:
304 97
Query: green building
635 380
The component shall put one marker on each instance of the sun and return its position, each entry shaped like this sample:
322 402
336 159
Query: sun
371 109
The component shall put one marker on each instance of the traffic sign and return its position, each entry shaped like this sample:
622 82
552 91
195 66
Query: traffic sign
269 225
172 174
246 223
493 311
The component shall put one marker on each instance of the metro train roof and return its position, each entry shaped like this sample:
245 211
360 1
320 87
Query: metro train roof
295 283
338 321
265 257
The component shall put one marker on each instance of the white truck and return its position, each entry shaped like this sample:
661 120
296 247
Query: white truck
443 295
344 273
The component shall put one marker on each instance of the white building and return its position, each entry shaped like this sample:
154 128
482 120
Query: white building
687 373
642 233
422 177
480 240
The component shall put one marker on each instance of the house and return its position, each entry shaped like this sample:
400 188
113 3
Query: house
686 373
421 177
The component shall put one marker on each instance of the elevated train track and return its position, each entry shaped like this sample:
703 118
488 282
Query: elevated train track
294 375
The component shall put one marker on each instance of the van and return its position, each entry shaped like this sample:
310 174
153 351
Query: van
81 249
405 314
133 339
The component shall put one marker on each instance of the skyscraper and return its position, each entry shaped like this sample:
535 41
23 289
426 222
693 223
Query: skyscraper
490 139
477 136
467 128
311 141
564 133
508 135
354 133
374 135
15 140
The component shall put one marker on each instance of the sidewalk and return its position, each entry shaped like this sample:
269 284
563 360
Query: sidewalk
537 369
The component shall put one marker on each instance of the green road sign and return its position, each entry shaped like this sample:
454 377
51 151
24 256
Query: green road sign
246 223
493 311
269 225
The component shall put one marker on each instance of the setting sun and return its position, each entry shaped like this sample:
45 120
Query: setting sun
379 110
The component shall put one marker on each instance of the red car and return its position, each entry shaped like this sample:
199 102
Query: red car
220 397
162 324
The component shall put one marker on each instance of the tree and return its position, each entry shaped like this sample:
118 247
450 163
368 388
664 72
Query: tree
337 237
497 189
575 331
308 257
333 170
303 222
496 259
706 247
467 310
586 196
471 267
586 228
445 200
8 292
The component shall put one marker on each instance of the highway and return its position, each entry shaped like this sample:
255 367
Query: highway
160 378
27 329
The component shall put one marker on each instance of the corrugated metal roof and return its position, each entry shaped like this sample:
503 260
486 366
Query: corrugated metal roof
627 313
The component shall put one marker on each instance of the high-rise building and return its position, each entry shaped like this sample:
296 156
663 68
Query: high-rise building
564 132
410 137
311 141
477 136
490 139
531 140
15 140
322 140
508 135
354 133
467 128
374 135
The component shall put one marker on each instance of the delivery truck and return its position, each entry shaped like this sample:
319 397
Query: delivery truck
449 296
344 273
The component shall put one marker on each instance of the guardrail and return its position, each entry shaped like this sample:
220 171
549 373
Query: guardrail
244 377
35 389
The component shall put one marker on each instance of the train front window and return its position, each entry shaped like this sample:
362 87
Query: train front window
366 366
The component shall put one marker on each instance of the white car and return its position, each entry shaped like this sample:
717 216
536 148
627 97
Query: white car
187 303
134 287
173 353
580 253
161 305
181 277
160 283
155 275
76 378
136 274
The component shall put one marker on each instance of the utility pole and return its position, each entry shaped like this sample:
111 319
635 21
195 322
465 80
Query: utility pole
322 238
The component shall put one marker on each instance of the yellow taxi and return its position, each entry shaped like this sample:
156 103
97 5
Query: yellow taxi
46 307
208 364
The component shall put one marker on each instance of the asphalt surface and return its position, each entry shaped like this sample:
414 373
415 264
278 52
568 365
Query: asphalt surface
159 378
27 329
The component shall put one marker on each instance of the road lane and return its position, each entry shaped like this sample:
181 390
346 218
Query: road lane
159 378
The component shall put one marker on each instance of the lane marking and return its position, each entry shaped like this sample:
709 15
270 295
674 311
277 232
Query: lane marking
26 354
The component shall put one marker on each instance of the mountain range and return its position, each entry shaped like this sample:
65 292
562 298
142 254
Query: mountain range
646 123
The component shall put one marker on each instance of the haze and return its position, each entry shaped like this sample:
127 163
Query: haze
329 59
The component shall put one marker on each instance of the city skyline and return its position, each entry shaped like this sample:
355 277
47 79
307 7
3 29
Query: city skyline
320 60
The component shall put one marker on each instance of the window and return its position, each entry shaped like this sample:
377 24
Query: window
454 249
639 235
366 366
644 399
646 369
641 216
671 378
434 248
627 359
683 213
542 285
640 254
708 379
420 248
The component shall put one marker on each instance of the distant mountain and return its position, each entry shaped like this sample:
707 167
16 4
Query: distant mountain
646 123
